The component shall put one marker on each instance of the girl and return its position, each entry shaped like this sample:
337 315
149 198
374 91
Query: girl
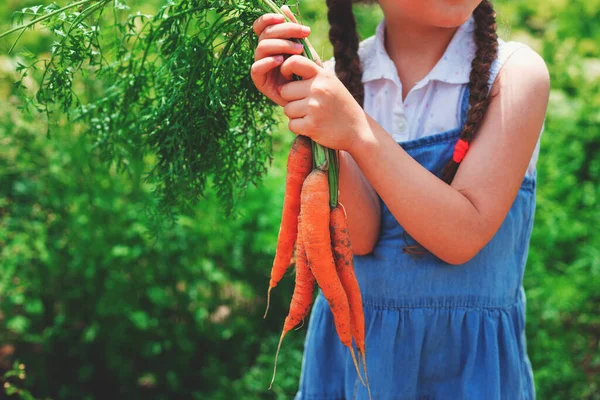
438 125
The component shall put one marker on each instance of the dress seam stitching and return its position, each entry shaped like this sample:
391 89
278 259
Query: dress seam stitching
443 305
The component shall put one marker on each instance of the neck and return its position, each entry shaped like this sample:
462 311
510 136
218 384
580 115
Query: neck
415 49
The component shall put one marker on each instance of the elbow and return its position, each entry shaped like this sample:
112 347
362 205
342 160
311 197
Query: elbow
462 254
463 248
459 258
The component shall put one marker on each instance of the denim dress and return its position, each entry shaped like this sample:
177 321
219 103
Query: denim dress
434 331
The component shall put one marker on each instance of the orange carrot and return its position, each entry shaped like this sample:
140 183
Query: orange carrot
344 261
299 166
342 252
317 242
303 293
304 289
316 237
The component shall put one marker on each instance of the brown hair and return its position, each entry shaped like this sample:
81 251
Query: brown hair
344 38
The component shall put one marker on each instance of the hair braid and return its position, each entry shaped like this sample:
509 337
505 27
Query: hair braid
344 38
486 40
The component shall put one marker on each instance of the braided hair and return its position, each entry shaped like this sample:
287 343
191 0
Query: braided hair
344 38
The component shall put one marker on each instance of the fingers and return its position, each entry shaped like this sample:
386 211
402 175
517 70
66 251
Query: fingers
286 10
265 20
273 26
296 109
271 47
285 30
262 66
301 66
295 90
298 125
268 26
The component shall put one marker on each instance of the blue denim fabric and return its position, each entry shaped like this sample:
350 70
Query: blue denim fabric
434 331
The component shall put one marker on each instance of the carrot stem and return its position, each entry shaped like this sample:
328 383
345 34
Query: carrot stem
318 150
319 155
333 177
271 6
49 15
324 166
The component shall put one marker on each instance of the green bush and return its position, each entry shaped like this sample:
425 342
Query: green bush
98 308
99 300
563 272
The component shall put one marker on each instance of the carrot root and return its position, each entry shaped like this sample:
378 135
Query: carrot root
299 166
268 301
364 360
356 365
276 356
316 236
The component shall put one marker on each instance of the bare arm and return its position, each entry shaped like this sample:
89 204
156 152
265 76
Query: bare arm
362 206
360 200
467 213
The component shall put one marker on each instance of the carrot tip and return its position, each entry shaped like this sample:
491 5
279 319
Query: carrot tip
276 356
365 369
268 301
301 325
356 365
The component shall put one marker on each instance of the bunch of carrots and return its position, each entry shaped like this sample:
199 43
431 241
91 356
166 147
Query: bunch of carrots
319 231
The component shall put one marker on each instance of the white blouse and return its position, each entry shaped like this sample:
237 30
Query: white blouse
433 104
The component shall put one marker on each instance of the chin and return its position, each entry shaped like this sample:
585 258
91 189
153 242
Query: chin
450 14
450 19
439 13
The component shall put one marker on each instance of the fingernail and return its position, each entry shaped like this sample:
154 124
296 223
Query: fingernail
298 46
278 59
305 30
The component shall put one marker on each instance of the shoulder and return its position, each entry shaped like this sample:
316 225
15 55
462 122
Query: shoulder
521 89
525 64
520 67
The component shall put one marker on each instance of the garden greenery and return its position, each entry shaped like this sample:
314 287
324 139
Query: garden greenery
96 309
173 87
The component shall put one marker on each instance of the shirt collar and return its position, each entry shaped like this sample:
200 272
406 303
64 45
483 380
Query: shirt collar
453 67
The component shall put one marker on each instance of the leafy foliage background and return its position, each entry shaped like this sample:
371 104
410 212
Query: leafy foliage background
100 302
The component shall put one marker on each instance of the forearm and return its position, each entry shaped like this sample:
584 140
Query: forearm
435 214
361 204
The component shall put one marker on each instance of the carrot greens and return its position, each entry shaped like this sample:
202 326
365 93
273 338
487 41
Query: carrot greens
172 89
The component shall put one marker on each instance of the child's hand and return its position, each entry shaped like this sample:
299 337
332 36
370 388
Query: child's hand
320 107
273 41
